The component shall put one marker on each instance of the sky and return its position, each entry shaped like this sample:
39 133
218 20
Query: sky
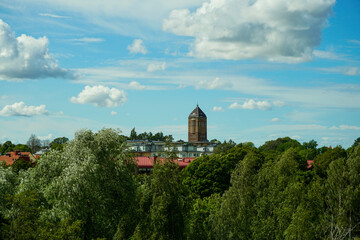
259 69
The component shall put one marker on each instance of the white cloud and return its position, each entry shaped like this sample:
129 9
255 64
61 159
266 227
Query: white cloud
350 71
20 109
52 15
218 109
136 85
100 96
345 127
276 30
326 55
354 41
88 40
137 46
251 104
216 83
275 120
26 57
113 113
48 137
156 67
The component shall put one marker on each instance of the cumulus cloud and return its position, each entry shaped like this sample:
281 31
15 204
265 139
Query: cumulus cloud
156 67
345 127
20 109
218 109
26 57
100 96
276 30
251 104
137 46
113 113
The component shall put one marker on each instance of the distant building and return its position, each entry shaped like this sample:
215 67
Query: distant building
147 148
10 157
197 146
197 126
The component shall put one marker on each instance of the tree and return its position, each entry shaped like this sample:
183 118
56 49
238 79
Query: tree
234 217
34 143
162 206
91 180
22 148
342 215
20 164
7 146
207 175
322 161
133 135
356 142
58 143
224 147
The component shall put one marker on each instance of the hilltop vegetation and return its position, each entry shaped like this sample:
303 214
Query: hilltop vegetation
87 189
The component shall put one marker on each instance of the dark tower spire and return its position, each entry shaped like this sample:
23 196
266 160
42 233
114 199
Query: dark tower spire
197 126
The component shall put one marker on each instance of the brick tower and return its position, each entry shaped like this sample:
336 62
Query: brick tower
197 126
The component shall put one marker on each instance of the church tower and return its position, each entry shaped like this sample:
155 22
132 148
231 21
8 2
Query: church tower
197 126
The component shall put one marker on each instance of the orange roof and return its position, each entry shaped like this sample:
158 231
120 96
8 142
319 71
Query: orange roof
147 162
310 163
11 157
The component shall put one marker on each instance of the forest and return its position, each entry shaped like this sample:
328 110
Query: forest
87 188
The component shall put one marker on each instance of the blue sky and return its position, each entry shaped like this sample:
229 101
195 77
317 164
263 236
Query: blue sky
259 69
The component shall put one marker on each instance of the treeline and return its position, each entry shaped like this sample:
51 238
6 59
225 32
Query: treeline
88 190
33 145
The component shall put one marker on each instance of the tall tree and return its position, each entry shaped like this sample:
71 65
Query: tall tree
34 143
91 181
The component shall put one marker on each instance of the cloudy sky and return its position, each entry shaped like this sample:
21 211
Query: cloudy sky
259 69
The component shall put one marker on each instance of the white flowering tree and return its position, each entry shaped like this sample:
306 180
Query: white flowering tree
91 180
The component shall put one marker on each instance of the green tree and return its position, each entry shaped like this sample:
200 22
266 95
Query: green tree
356 142
21 164
58 143
279 191
199 217
342 215
7 146
162 204
224 147
234 218
22 148
91 181
133 135
211 174
322 161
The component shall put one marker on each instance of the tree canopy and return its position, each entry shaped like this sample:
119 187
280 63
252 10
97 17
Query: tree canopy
89 189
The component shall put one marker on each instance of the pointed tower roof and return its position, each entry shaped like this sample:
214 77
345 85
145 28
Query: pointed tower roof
197 113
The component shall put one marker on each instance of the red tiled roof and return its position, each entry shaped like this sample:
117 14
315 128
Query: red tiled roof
310 163
147 162
11 157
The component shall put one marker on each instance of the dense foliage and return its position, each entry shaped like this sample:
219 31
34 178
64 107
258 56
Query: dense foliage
88 189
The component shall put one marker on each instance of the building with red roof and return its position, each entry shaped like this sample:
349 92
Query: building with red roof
10 157
146 164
